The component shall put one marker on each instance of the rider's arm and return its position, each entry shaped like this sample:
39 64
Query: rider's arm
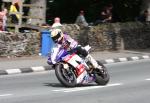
72 43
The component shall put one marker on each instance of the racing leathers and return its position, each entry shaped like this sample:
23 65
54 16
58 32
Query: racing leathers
70 44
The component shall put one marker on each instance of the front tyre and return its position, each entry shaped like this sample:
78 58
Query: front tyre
65 76
102 77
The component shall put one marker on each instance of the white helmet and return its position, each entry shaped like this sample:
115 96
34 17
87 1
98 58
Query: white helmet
57 35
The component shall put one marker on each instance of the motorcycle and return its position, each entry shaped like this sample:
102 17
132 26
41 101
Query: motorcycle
71 69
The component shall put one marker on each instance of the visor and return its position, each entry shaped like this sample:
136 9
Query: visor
55 38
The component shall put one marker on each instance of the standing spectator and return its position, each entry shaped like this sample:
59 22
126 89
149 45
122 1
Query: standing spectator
4 19
148 15
143 17
13 12
81 19
56 24
106 14
1 24
1 21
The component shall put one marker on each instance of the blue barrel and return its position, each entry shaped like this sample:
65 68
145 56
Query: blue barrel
47 43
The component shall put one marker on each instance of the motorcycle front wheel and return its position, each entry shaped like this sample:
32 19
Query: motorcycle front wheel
65 76
102 77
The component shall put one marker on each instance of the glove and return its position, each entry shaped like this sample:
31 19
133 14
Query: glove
66 45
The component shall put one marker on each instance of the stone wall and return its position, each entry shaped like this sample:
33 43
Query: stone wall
114 36
16 45
102 37
135 35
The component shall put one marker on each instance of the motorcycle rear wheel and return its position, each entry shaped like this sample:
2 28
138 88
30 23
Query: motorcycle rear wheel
66 77
102 78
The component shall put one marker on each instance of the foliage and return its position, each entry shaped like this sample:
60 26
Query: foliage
124 10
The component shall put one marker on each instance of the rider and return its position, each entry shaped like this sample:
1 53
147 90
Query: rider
66 42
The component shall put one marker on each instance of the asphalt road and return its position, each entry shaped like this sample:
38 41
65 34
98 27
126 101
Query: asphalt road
129 83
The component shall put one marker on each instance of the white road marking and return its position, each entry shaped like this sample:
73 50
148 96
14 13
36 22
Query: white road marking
85 88
13 71
5 95
147 79
146 57
123 59
135 58
37 69
109 60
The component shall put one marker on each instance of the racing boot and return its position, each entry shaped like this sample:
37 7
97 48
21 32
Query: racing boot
94 62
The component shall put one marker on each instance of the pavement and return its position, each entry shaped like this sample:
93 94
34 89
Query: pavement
38 64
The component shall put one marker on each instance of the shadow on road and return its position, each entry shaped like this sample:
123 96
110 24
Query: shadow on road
59 85
53 84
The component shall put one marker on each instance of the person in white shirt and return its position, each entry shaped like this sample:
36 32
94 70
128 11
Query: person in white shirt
56 24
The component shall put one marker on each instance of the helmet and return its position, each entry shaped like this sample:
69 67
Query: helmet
57 35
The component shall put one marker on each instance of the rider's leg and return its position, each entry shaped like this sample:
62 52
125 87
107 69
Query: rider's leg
85 54
93 62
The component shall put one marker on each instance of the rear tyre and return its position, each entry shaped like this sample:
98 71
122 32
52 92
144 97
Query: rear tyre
102 76
65 76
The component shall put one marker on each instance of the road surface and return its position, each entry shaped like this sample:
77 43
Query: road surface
129 83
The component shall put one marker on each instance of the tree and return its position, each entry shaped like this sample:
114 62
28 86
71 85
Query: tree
68 10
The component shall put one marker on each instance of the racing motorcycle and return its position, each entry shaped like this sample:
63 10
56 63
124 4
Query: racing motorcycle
71 69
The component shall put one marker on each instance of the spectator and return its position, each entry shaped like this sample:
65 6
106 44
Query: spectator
14 9
143 16
56 24
4 19
81 19
106 14
1 24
